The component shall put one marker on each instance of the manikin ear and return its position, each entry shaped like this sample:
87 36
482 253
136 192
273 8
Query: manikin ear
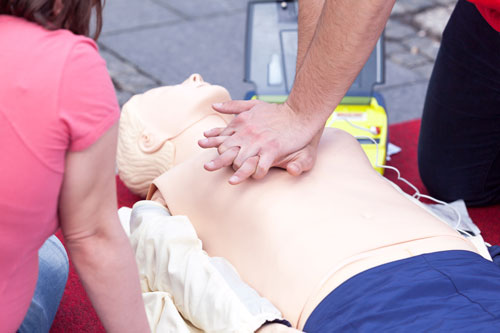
58 6
149 142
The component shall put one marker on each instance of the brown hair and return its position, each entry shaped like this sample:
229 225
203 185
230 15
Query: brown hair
74 15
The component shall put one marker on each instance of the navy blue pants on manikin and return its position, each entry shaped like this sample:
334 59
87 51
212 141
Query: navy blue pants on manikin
449 291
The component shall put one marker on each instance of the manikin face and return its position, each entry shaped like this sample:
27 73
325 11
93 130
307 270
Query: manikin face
161 128
168 111
180 114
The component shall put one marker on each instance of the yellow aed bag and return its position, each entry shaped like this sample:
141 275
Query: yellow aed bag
366 122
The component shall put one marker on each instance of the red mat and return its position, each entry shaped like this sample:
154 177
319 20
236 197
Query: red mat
77 315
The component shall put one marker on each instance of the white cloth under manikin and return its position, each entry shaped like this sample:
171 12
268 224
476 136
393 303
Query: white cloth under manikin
185 290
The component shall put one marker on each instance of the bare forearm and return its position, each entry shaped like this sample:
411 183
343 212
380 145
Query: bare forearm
108 270
309 13
284 135
346 33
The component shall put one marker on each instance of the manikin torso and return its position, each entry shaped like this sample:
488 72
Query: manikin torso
284 234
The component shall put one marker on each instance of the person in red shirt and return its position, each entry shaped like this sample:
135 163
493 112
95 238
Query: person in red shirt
459 144
459 147
58 134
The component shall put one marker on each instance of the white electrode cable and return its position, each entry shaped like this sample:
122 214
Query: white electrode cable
372 130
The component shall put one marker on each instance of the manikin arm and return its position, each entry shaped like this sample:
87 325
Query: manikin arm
96 242
266 134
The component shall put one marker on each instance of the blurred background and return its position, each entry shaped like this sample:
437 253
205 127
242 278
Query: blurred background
148 43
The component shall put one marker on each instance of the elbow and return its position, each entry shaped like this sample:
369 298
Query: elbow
107 240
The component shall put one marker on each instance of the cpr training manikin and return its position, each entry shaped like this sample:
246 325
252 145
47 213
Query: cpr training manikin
231 258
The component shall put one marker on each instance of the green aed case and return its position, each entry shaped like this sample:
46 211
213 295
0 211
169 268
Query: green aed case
270 57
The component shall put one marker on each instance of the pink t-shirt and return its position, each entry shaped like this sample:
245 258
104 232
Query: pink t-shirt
55 96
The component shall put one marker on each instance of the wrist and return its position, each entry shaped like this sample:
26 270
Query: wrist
311 122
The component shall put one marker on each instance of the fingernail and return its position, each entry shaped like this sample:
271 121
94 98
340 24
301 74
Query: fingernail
234 179
204 141
210 165
217 105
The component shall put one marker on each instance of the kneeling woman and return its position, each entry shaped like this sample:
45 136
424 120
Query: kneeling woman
58 133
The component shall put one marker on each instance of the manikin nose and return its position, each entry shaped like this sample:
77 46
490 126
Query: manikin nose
194 78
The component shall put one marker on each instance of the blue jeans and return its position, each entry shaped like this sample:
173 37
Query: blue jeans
53 268
459 145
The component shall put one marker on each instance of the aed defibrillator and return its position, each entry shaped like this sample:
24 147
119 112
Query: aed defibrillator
270 56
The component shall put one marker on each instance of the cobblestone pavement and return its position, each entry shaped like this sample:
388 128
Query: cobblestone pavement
149 43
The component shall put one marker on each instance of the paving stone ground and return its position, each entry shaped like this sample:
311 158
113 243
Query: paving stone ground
148 43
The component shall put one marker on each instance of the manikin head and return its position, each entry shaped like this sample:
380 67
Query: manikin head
161 128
